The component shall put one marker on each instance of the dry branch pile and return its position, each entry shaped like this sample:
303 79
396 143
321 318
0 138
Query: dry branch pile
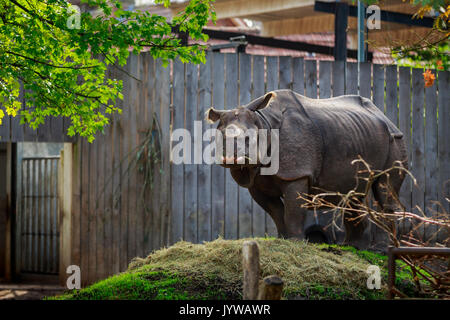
431 273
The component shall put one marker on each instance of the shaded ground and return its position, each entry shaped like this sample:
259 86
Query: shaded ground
213 270
28 291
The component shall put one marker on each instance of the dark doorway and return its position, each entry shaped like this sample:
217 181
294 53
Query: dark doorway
316 234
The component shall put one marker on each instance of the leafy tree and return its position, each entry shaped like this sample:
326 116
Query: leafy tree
432 51
60 56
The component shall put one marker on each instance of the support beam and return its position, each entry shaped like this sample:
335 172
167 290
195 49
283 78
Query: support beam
340 31
361 32
389 16
279 43
264 9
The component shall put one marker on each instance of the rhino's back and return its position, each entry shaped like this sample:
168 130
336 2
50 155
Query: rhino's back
350 127
339 108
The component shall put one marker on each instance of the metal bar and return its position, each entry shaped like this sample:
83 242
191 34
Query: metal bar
420 251
40 158
279 43
394 252
388 16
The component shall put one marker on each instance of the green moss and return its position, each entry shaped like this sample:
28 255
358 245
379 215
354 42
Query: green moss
213 270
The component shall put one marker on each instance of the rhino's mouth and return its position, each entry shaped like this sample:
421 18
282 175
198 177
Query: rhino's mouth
236 161
233 160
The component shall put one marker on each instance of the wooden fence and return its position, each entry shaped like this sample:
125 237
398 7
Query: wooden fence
113 222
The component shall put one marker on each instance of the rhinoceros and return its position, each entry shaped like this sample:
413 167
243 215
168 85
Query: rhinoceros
318 140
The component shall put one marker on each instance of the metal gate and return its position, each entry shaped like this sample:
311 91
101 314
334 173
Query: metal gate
38 223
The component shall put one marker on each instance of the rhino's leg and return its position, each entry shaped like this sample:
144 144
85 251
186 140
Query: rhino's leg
354 230
273 206
294 214
384 194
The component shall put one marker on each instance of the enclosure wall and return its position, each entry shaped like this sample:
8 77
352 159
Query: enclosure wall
128 199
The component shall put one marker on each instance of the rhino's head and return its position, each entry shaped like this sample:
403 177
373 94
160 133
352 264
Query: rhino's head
240 132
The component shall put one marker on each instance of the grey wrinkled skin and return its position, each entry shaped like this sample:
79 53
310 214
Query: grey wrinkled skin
318 139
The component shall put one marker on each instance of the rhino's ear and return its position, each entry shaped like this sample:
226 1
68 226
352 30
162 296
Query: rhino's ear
212 115
261 102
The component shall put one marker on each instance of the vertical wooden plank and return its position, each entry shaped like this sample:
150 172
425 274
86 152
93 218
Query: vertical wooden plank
204 170
259 224
311 78
142 125
115 188
218 172
405 127
418 161
298 75
272 84
431 147
285 73
325 79
156 189
272 73
84 219
102 246
39 216
56 219
131 134
66 211
29 217
22 205
431 155
165 154
444 134
338 78
177 182
107 193
231 191
391 94
125 159
245 199
47 213
76 205
116 148
378 86
93 167
150 121
365 79
190 170
20 221
351 78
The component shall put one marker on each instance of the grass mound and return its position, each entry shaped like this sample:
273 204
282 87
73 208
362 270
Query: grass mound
213 270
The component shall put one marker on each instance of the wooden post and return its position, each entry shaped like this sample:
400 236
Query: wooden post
250 264
270 288
65 205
